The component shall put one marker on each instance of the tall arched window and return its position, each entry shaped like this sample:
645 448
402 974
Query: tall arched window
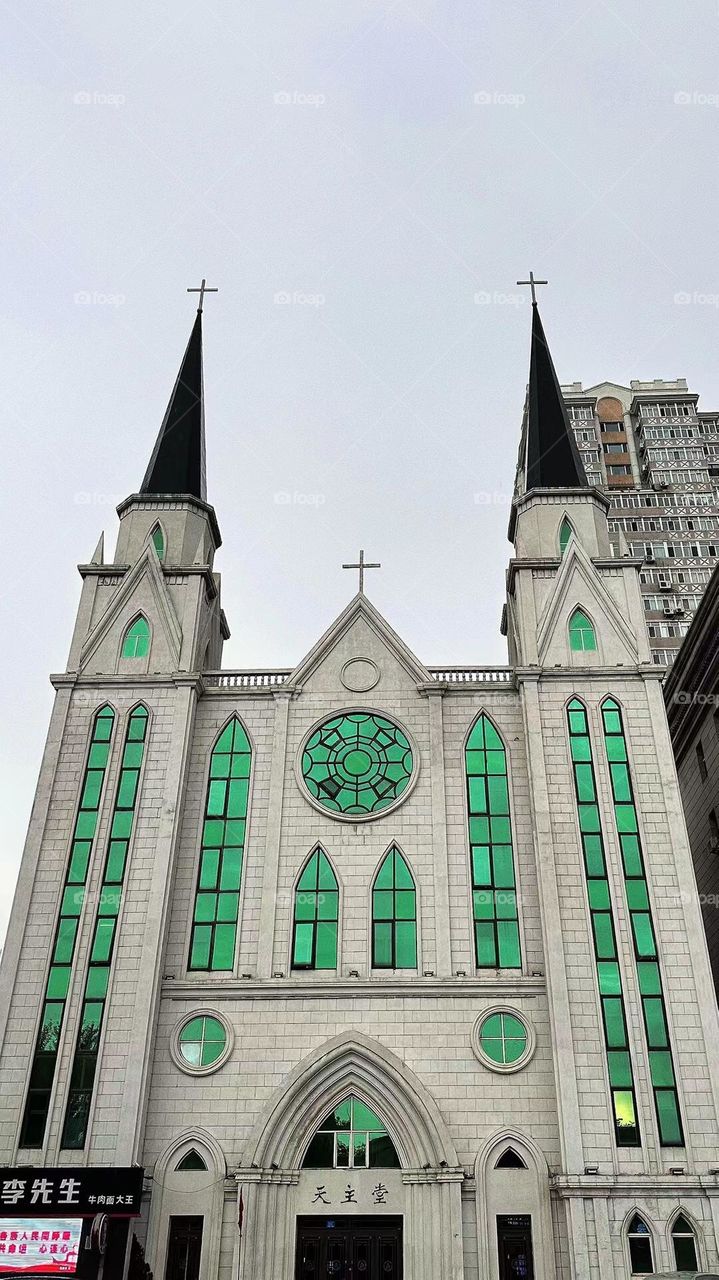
394 915
314 939
640 1247
685 1245
136 641
224 832
565 533
351 1136
158 541
494 895
582 637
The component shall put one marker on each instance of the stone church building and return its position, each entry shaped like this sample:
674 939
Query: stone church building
375 969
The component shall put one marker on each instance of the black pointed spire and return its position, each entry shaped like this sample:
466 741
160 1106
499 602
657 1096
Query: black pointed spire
177 464
552 458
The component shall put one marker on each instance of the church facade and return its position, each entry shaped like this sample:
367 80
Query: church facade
374 969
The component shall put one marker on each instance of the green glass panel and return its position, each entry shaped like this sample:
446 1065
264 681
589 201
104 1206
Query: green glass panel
508 942
72 900
584 776
485 946
138 725
308 879
363 1117
621 785
136 643
612 720
91 1021
498 795
224 742
643 934
650 983
492 740
589 818
599 895
58 982
205 907
209 867
326 945
603 935
670 1125
359 1150
577 722
382 946
227 906
626 818
580 749
631 855
614 1022
500 831
65 940
476 762
223 952
492 1027
85 825
660 1068
637 896
506 904
594 856
404 904
240 766
481 873
103 940
616 749
503 865
77 872
357 763
192 1030
483 903
212 1050
213 834
565 533
132 755
610 982
50 1027
103 725
382 904
238 792
327 905
217 794
620 1068
625 1116
477 788
326 876
201 943
158 542
478 830
341 1117
235 833
405 945
115 866
220 766
402 874
98 977
343 1142
93 786
128 788
657 1034
513 1049
121 825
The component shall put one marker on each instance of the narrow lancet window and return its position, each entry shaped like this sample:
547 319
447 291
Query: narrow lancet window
494 892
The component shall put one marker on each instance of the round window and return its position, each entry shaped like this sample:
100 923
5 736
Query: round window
202 1043
503 1040
357 765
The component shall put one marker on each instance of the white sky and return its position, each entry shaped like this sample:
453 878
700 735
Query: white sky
418 154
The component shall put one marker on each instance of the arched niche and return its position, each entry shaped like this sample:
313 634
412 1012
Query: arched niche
187 1192
503 1188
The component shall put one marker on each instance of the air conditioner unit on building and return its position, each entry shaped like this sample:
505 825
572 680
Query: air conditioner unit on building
665 582
648 554
667 609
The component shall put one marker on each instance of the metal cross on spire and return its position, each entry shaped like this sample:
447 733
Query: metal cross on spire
532 282
361 566
203 289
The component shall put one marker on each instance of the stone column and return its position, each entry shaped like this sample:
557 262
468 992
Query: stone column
265 946
439 834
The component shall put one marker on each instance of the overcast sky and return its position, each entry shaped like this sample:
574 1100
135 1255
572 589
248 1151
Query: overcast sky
364 182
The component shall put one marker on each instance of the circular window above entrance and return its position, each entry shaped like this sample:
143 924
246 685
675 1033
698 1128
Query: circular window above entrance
502 1039
357 765
202 1043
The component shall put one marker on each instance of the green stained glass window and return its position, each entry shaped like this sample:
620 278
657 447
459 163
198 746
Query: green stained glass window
394 915
357 764
224 831
158 542
63 953
351 1136
619 1064
136 641
84 1064
582 636
565 533
314 942
503 1038
666 1100
494 896
202 1041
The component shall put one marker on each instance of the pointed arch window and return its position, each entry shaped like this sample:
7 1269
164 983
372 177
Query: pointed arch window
494 894
685 1244
510 1160
136 641
158 541
582 636
224 831
565 533
351 1136
192 1162
314 938
394 915
640 1247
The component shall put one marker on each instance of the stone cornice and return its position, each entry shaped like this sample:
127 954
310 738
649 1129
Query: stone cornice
169 570
588 1185
552 562
177 680
156 501
217 989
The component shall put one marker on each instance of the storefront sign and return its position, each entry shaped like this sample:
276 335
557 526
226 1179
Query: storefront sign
46 1246
47 1193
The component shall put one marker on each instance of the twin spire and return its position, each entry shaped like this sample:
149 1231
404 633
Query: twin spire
177 466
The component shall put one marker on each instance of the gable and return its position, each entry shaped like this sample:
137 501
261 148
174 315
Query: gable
142 590
357 654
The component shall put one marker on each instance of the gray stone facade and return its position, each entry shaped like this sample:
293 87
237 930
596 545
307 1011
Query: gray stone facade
405 1041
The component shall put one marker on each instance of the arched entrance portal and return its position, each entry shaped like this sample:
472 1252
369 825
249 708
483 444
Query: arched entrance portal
352 1139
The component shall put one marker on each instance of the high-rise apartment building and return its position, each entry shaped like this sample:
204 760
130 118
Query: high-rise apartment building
657 459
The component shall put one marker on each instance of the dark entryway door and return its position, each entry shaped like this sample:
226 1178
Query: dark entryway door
514 1242
345 1248
184 1247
